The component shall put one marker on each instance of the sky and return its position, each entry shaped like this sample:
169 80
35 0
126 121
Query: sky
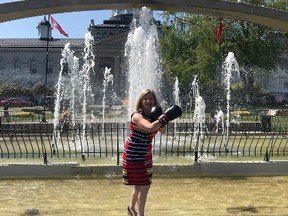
75 24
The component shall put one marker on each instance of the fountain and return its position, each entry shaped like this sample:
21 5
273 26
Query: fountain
144 71
220 120
230 66
176 92
176 97
108 79
73 86
67 60
198 118
141 48
73 89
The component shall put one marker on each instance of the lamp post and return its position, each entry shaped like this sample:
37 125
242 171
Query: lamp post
44 31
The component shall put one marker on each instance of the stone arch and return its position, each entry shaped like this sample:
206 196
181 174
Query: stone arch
265 16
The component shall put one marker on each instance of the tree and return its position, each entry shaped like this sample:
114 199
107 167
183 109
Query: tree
13 90
42 89
189 47
259 49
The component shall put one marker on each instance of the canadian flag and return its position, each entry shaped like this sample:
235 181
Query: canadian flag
54 24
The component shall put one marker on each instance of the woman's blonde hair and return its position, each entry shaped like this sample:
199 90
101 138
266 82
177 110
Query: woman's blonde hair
139 106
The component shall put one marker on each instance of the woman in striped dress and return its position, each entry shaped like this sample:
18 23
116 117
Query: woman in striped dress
137 156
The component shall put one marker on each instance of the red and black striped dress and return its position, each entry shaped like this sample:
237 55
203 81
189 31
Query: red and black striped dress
137 157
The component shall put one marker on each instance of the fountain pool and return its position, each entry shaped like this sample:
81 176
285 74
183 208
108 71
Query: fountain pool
181 195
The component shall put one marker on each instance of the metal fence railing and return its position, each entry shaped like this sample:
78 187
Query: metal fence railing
103 140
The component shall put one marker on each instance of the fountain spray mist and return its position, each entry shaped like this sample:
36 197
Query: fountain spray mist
73 88
87 69
69 60
176 92
144 64
199 117
108 78
230 65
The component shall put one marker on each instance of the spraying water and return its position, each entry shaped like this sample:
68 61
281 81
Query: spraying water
75 94
69 64
108 78
230 65
199 114
142 46
220 119
176 97
61 89
87 69
73 87
176 92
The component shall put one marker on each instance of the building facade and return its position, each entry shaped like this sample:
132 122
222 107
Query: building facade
23 60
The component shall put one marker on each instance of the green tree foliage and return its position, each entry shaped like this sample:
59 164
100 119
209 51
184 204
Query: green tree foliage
185 51
279 4
42 89
189 47
16 90
239 98
13 90
214 95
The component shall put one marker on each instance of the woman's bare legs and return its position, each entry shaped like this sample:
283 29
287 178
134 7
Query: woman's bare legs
142 197
134 197
139 196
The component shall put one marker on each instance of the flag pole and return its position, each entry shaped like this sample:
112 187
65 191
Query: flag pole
47 48
46 67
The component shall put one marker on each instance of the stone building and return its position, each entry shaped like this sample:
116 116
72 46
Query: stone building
24 60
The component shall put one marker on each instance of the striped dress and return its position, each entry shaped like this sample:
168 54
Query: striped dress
137 156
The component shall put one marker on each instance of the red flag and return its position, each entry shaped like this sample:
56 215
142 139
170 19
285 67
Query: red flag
54 24
219 32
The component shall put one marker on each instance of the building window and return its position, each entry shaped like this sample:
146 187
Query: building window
16 64
33 66
1 63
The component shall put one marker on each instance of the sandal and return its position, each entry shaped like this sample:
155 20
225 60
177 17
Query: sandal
131 212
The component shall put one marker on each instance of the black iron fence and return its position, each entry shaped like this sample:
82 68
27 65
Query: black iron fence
264 139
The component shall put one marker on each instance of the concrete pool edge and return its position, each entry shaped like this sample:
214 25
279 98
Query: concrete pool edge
72 170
